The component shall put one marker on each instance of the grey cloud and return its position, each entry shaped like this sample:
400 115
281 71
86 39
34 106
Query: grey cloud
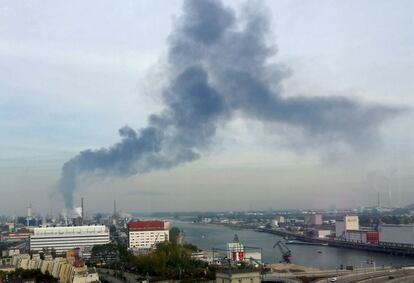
220 65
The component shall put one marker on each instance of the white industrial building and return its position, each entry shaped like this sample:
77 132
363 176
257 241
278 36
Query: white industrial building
144 235
348 222
395 233
63 239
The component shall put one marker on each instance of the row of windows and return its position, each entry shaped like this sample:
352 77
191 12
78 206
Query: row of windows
70 242
143 234
67 245
149 242
66 242
70 236
147 239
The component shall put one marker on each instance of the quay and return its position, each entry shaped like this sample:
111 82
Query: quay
382 247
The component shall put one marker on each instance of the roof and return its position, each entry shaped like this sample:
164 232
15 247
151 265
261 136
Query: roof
151 225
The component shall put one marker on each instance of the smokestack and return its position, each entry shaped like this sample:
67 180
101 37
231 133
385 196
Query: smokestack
29 214
115 212
82 212
29 211
220 65
379 200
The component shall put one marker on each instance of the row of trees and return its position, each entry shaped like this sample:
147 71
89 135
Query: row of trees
169 260
29 274
173 261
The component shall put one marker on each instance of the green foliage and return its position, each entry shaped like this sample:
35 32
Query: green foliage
190 247
170 261
105 253
33 273
107 248
174 234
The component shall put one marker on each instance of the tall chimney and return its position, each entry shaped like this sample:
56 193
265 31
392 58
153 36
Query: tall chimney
379 200
82 211
114 208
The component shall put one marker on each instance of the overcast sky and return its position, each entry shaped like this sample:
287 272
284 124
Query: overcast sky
74 72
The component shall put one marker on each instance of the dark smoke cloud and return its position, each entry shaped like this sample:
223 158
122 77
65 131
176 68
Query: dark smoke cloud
220 65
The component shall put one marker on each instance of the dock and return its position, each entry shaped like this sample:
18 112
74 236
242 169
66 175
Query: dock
382 247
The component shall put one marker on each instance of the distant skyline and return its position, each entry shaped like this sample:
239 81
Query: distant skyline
74 73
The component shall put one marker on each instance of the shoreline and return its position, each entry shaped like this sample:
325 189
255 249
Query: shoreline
391 249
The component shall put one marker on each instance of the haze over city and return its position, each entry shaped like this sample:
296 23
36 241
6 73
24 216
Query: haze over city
332 128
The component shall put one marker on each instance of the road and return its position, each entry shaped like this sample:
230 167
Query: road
374 277
396 276
355 277
285 280
405 279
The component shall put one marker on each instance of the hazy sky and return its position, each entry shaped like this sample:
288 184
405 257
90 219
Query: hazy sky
74 72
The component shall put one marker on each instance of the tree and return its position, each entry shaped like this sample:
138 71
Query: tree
174 234
105 253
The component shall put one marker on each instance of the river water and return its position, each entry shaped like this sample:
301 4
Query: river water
208 236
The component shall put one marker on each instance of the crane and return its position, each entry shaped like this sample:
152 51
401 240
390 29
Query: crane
286 252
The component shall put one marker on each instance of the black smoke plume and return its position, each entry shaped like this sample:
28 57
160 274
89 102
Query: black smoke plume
219 65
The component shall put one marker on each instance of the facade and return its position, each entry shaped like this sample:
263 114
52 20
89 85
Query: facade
66 270
144 235
344 224
402 234
362 236
313 219
322 234
280 219
235 250
63 239
237 277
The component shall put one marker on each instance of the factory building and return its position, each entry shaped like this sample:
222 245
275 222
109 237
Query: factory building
62 239
362 236
393 233
346 223
144 235
313 219
280 219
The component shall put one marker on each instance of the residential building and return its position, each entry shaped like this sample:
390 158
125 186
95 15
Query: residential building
144 235
66 270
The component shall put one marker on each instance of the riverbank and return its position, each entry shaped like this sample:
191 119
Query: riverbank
209 236
387 248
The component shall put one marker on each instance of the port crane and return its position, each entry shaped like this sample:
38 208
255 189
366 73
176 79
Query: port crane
286 252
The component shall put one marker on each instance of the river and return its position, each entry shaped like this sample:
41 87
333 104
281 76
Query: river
208 236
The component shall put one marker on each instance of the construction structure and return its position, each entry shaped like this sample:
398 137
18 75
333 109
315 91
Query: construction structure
284 250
